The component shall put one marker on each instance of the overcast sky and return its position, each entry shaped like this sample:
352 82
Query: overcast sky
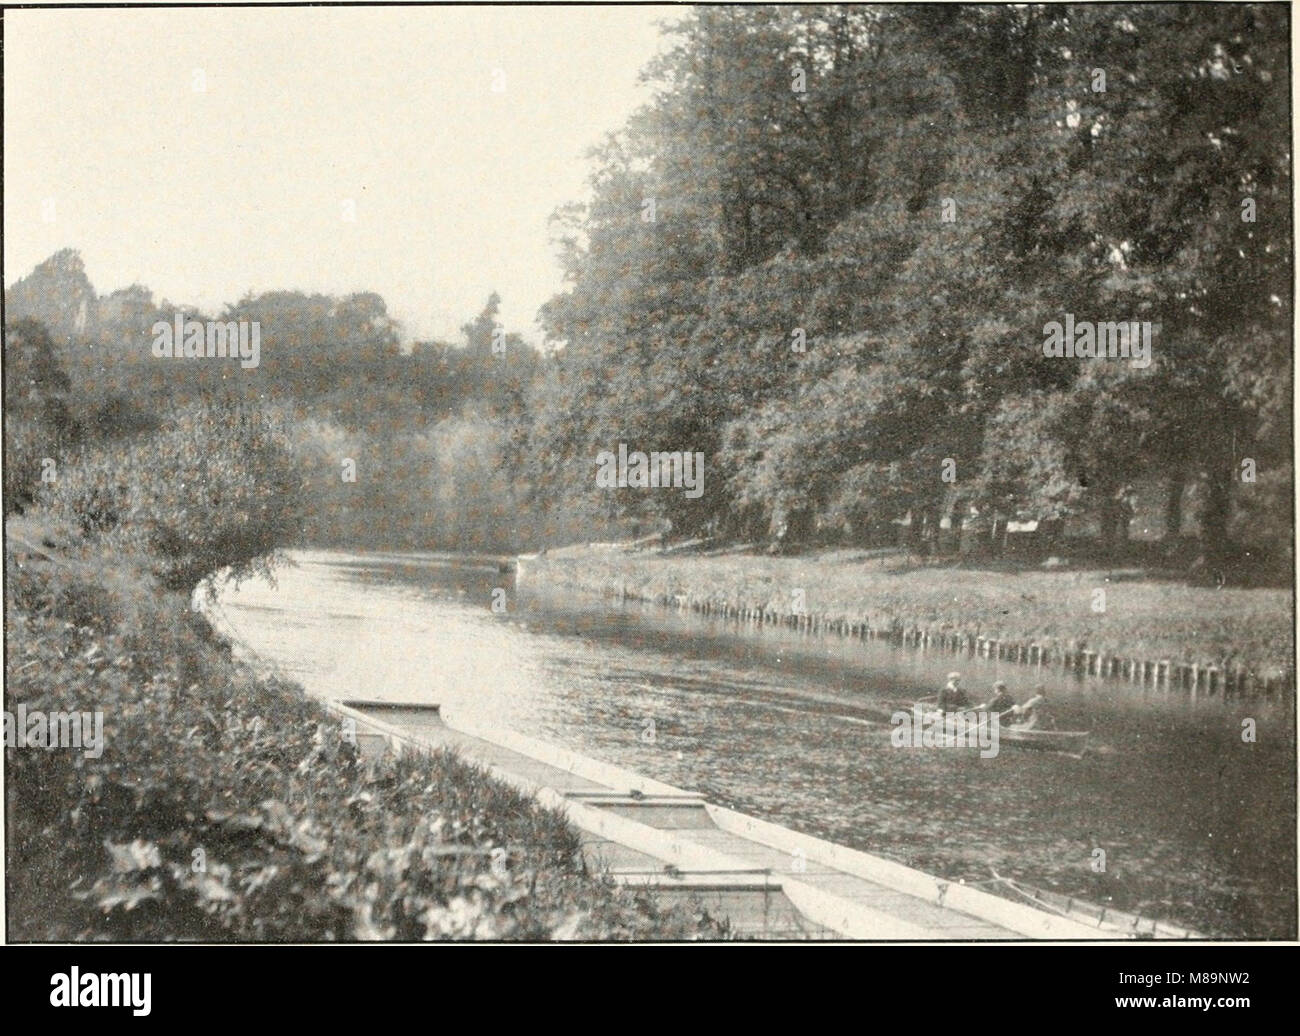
204 194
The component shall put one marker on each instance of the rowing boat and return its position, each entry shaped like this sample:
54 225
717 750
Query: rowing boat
1070 742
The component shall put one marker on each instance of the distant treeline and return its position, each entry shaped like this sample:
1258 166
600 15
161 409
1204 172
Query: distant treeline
392 447
828 256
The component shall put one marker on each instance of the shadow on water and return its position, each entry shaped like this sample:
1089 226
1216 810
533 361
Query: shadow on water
1170 813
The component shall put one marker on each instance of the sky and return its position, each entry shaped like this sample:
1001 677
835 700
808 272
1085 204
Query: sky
205 153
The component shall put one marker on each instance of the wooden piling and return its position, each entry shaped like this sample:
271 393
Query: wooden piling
1200 678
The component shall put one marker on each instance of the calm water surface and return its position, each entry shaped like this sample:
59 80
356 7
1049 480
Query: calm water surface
1197 826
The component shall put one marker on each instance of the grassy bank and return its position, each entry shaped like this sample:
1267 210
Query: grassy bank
223 806
1141 618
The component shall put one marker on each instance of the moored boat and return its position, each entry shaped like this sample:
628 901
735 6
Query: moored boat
1121 923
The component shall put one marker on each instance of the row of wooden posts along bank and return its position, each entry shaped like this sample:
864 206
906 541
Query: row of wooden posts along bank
1227 679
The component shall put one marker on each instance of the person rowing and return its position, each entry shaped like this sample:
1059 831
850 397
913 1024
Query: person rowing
1000 702
952 698
1034 713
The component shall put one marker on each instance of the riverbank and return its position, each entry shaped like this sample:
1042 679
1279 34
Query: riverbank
1120 623
213 804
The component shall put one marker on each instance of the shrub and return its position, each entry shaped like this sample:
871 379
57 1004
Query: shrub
215 489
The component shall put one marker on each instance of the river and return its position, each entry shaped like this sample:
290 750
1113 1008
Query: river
1170 814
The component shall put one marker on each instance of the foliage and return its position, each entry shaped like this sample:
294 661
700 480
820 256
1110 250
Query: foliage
824 256
946 182
215 489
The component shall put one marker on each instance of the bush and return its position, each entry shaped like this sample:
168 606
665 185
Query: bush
216 489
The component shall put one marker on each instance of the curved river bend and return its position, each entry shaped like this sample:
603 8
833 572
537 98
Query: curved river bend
1197 826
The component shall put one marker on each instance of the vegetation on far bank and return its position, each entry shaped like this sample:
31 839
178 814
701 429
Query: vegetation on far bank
867 218
1145 617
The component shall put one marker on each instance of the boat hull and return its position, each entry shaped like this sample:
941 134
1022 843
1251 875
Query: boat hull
1070 742
1121 923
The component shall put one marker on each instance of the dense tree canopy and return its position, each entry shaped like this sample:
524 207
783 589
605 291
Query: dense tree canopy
826 254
